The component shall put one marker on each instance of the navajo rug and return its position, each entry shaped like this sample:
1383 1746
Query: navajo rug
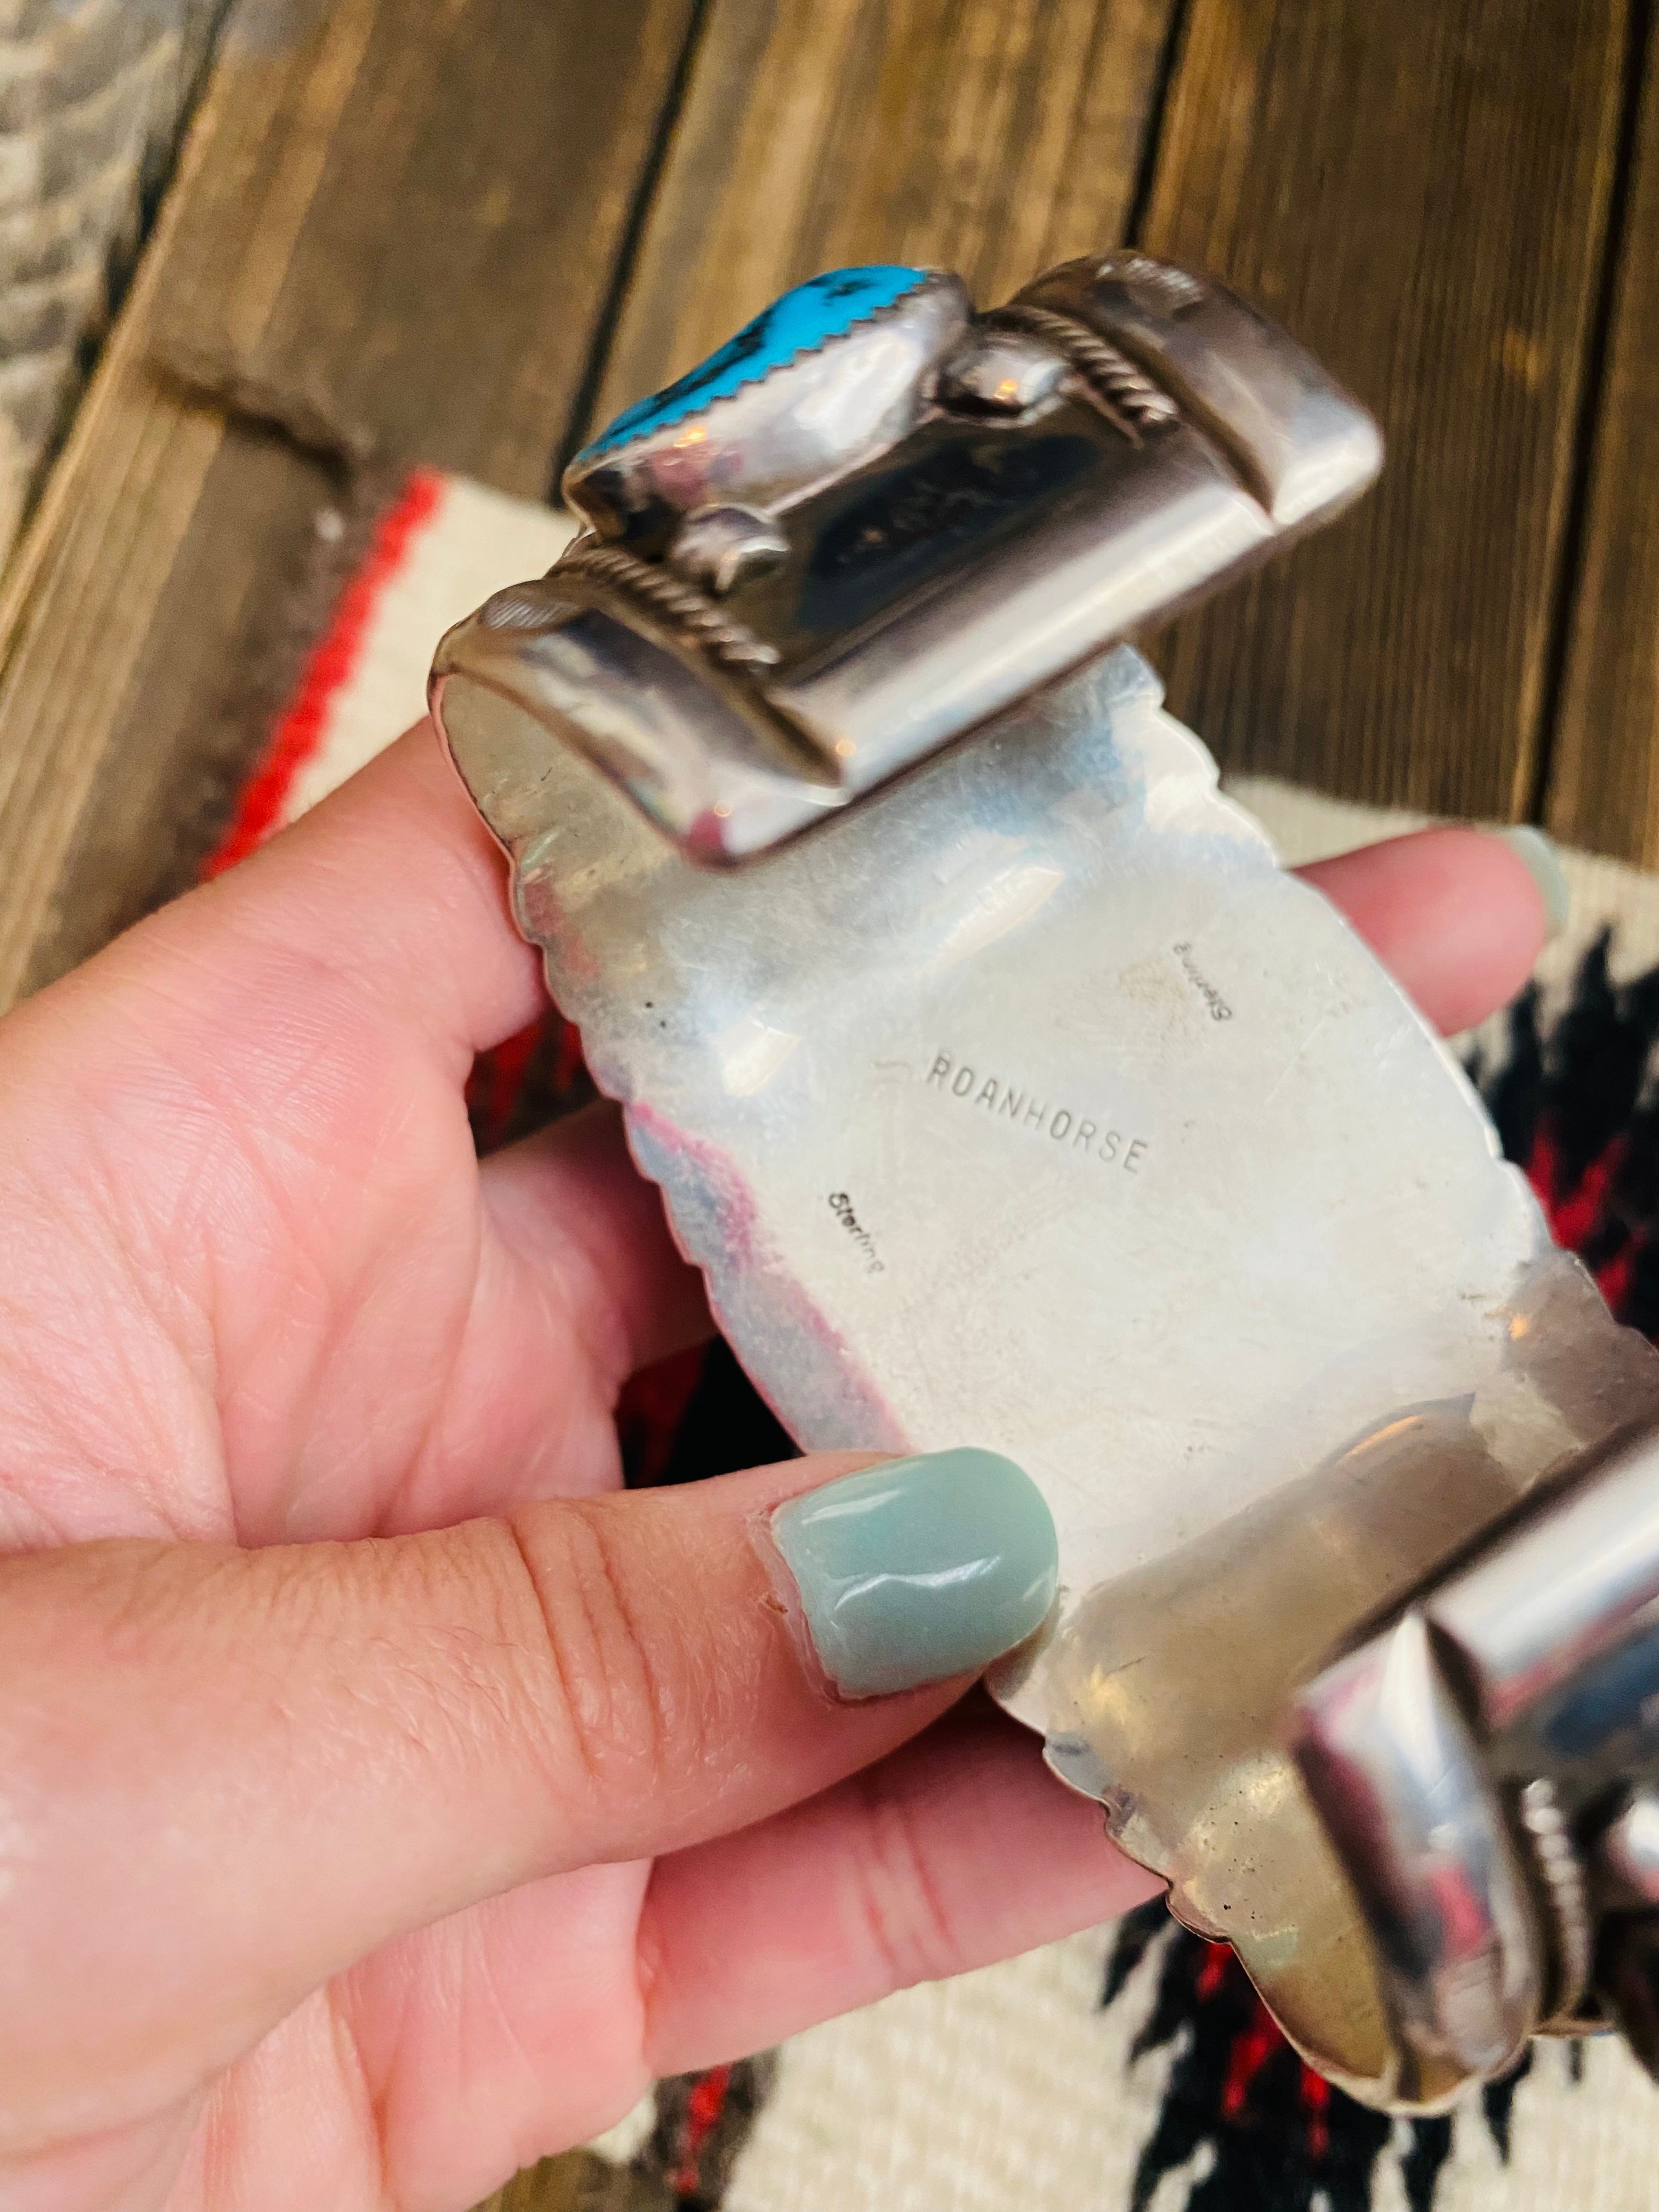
1130 2069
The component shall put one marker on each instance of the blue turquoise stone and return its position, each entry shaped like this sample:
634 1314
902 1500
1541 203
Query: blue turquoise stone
812 315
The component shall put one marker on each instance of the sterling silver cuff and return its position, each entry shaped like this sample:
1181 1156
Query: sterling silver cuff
1161 1186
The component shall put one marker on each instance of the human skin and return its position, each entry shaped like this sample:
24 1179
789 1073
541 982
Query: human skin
384 1798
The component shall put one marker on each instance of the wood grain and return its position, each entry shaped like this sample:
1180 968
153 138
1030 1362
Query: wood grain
1421 195
369 256
75 617
991 136
90 98
409 242
1604 773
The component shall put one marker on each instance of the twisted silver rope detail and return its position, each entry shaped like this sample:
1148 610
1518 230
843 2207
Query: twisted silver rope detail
1124 390
658 591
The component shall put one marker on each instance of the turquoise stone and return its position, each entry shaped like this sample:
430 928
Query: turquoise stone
814 315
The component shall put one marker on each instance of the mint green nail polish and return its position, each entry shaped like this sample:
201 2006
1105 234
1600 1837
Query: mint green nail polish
920 1568
1544 867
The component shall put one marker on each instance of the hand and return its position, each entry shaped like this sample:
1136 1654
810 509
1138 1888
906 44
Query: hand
381 1798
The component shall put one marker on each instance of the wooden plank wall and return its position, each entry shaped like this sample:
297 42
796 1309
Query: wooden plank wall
993 139
1421 194
1604 790
464 236
370 255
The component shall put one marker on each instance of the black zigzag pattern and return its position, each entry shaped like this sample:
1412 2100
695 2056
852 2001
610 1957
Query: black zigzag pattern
1279 2139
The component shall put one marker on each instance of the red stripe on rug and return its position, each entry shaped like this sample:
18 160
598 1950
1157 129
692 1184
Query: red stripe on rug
332 662
703 2113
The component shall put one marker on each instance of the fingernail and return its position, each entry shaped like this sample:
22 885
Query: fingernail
920 1568
1544 866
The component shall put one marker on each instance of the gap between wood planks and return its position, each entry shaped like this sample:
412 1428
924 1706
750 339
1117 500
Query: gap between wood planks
368 259
1428 197
1425 197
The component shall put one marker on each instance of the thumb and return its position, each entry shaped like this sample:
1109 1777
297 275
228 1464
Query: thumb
225 1775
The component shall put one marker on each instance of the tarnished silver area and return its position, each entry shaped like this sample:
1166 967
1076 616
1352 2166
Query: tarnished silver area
873 520
1161 1186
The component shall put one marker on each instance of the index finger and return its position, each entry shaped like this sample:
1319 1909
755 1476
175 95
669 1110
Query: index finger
394 884
396 879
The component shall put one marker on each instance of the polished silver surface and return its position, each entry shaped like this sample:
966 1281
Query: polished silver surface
1571 1587
776 438
1530 1711
1175 1200
1001 373
721 547
692 746
1560 1877
1628 1853
1294 435
870 540
1397 1772
1125 532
